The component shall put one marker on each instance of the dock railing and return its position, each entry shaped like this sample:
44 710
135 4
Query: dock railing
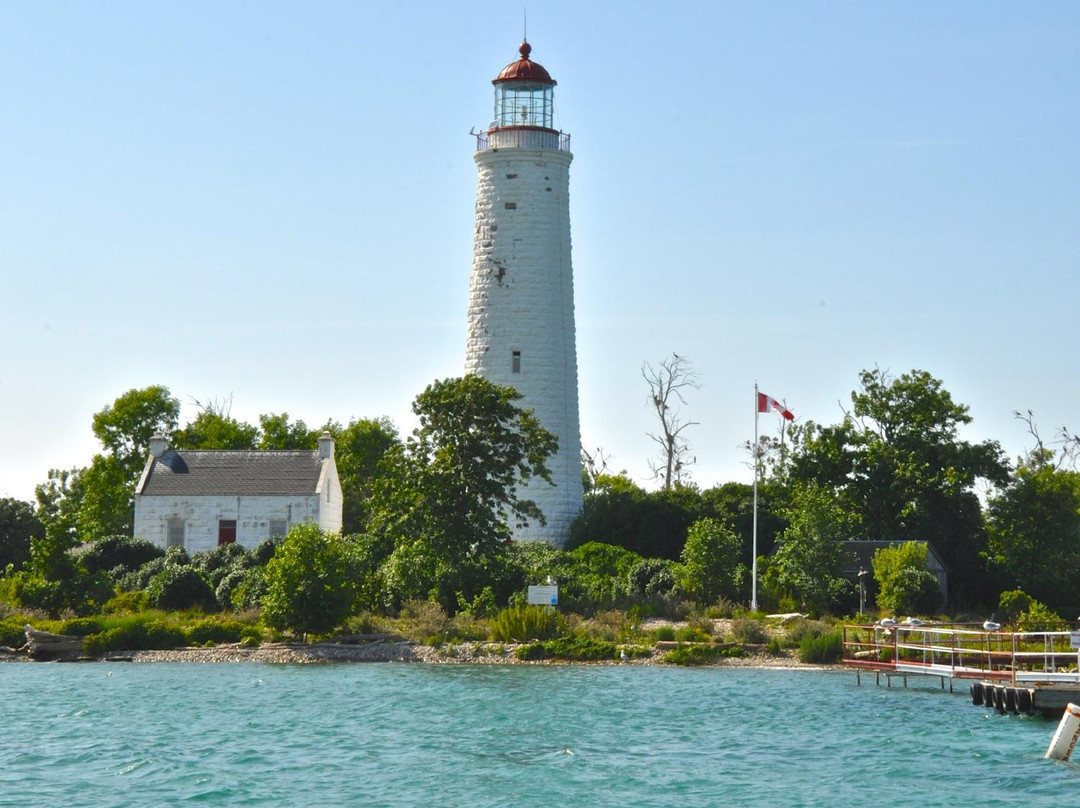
953 651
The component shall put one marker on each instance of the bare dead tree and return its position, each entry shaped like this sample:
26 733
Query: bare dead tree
594 464
667 384
1042 455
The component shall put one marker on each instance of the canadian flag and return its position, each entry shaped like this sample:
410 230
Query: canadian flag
766 403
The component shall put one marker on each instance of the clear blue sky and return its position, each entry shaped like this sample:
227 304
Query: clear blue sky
274 201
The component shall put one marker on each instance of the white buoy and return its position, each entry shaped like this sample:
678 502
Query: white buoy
1068 732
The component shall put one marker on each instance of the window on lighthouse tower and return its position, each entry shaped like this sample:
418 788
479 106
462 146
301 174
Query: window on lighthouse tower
515 362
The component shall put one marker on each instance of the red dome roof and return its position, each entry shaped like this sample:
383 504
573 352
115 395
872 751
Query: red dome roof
524 69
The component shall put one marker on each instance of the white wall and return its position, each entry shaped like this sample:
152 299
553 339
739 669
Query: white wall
521 298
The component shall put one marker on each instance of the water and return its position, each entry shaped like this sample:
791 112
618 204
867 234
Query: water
417 735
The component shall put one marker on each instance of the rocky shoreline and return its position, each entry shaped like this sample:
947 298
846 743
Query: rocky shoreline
484 653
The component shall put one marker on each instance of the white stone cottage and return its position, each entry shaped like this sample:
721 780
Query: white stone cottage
201 499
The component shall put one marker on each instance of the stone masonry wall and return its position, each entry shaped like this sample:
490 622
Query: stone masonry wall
521 299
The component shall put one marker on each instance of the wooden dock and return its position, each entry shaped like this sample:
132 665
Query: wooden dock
1013 672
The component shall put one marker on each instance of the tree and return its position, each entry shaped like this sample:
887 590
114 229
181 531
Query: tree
809 563
451 490
905 583
18 525
311 582
278 433
667 385
124 429
215 428
1033 527
358 452
711 566
897 463
126 426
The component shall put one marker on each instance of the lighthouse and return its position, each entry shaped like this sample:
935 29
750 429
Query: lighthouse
521 293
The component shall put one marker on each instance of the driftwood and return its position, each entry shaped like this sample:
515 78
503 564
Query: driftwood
43 645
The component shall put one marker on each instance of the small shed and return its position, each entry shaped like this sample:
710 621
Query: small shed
862 554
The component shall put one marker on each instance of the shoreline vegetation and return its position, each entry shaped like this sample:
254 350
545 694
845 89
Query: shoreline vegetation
642 650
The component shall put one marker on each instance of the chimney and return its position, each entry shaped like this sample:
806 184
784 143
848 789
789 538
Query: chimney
326 445
158 444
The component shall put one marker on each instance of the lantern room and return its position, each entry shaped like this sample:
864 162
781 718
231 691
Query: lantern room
524 94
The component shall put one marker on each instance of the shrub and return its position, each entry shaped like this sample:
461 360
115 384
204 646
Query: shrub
311 582
521 623
125 603
576 649
822 650
12 632
664 634
249 593
215 631
692 634
136 635
424 620
1038 617
802 629
123 552
177 588
80 627
749 630
217 563
698 654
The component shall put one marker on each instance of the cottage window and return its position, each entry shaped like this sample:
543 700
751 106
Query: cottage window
278 527
174 533
226 532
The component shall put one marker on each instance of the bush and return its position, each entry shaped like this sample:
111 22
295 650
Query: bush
125 603
425 621
522 623
217 563
311 582
749 630
178 588
692 634
136 635
576 649
822 650
123 552
12 632
700 654
802 629
216 631
80 627
664 634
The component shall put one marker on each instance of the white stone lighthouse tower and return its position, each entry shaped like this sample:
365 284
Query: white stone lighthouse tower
521 296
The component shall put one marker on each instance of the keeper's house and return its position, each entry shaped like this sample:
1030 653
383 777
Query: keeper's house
201 499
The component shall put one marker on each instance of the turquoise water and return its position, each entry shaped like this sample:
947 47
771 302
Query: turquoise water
416 735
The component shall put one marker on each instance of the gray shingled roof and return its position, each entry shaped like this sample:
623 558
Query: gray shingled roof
234 473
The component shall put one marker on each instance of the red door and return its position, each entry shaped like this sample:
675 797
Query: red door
226 531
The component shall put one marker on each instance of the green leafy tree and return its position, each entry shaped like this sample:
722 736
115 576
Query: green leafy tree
126 426
1034 535
809 562
711 562
905 583
18 525
452 490
903 473
215 428
358 454
311 582
279 433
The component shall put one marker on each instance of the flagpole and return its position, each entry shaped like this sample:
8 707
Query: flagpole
753 575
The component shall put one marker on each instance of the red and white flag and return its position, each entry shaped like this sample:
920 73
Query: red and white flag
766 403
